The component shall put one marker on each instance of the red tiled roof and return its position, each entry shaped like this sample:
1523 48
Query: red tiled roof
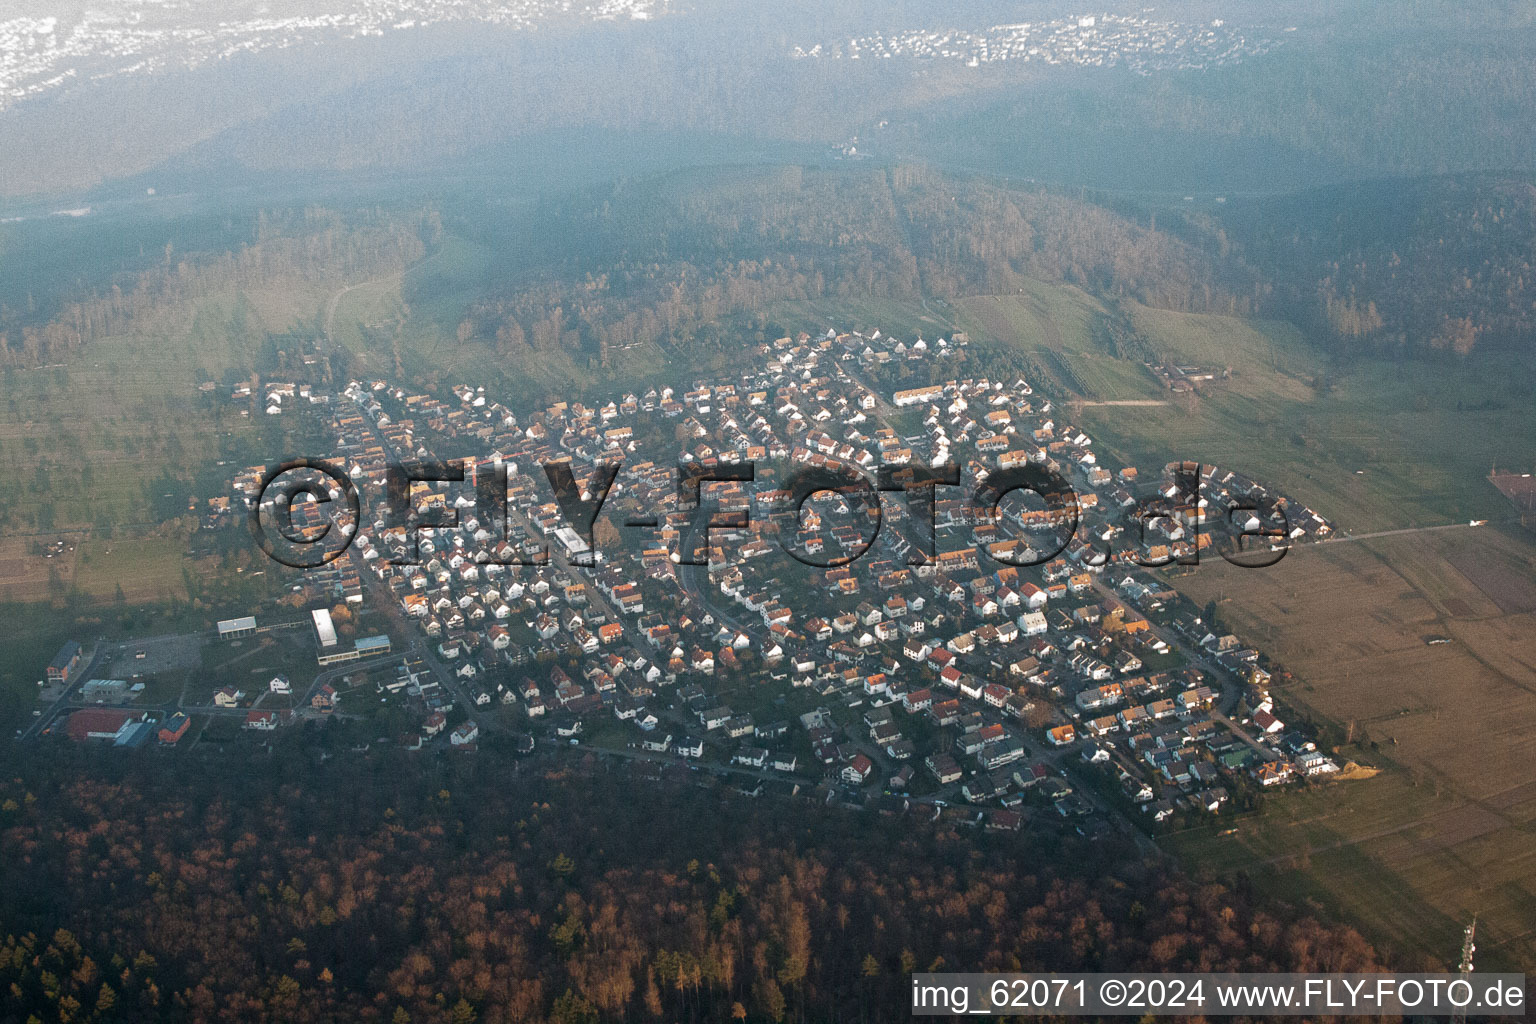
82 724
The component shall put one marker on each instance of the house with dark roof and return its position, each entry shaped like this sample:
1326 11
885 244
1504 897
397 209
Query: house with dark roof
64 663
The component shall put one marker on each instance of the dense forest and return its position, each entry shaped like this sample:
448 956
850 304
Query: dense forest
363 888
1434 265
630 264
1437 265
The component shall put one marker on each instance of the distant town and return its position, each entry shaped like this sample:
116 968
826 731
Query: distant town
39 54
1091 40
1084 690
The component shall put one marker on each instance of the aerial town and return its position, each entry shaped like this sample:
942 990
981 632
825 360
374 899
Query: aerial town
1018 666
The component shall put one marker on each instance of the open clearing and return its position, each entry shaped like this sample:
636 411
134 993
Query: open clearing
146 568
1051 327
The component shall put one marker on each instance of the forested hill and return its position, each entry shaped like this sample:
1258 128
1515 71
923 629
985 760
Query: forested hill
1428 266
1419 267
1402 267
109 282
605 268
370 890
635 263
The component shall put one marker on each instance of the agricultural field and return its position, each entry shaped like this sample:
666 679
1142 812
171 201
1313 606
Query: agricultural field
1385 447
106 457
896 317
86 442
1449 823
26 571
141 568
138 569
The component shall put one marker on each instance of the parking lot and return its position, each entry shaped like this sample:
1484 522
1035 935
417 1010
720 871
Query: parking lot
162 655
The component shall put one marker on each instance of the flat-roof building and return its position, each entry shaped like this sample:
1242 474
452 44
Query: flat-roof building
366 647
369 646
232 629
325 629
104 690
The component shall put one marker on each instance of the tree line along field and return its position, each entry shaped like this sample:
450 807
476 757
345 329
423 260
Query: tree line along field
1446 831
